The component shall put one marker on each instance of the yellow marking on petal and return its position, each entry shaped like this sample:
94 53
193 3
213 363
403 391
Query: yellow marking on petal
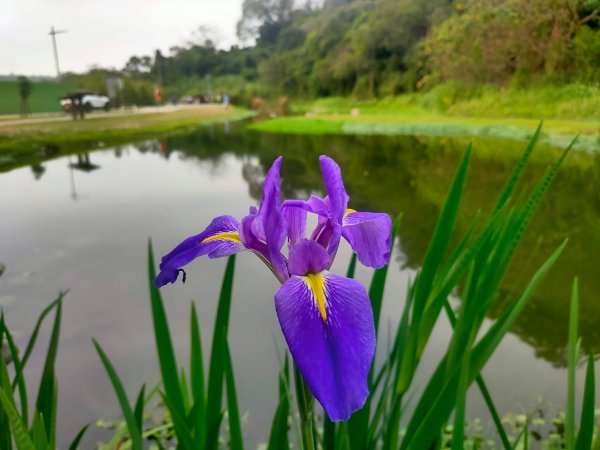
232 236
316 283
348 211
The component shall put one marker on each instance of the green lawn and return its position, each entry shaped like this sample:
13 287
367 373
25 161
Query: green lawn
44 97
414 121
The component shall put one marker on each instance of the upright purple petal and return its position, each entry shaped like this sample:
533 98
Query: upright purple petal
307 257
370 236
334 185
220 238
338 203
268 226
333 355
296 220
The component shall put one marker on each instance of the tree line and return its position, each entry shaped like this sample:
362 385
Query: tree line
378 48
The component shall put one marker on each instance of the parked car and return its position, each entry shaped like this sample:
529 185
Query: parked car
90 101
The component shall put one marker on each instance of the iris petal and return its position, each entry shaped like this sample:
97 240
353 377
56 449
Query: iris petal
296 220
219 239
306 257
369 235
333 355
334 184
268 226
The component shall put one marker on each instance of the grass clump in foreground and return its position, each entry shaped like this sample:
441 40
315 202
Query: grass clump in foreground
199 400
31 143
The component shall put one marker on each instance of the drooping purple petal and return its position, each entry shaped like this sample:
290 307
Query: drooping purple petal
314 205
220 238
307 257
266 230
370 236
333 355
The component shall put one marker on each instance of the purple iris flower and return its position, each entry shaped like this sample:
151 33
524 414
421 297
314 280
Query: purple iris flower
326 319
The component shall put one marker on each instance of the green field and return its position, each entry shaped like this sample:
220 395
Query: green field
566 112
44 97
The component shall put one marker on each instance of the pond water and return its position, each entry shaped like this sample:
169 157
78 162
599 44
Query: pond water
82 223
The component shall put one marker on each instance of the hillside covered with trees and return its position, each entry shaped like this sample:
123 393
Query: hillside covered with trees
376 48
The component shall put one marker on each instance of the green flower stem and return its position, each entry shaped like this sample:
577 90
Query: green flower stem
305 402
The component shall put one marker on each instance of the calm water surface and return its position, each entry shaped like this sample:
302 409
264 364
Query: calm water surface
82 222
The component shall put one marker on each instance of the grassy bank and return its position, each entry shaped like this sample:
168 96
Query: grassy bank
450 110
28 143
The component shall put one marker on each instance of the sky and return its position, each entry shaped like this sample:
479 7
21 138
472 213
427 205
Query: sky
104 32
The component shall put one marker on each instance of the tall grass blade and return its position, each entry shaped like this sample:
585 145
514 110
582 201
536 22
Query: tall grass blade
442 233
489 402
197 376
75 444
46 402
305 402
19 429
235 424
36 329
572 367
485 393
184 436
329 433
19 377
38 432
215 378
513 181
489 342
458 434
185 392
5 434
130 419
586 429
351 267
278 437
164 346
138 411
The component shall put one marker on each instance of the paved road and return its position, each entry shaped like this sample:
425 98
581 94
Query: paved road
63 117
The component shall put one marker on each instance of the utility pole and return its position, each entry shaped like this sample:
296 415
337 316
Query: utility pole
53 33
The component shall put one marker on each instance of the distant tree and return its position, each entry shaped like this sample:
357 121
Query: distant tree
263 18
25 87
158 67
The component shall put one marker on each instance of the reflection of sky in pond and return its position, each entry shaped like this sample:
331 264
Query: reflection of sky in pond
88 231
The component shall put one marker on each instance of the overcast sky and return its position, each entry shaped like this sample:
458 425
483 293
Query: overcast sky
104 32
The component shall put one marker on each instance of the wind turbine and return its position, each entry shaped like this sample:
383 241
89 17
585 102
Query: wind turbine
53 33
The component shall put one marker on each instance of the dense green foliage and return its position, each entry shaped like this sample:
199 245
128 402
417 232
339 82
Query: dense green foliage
379 48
